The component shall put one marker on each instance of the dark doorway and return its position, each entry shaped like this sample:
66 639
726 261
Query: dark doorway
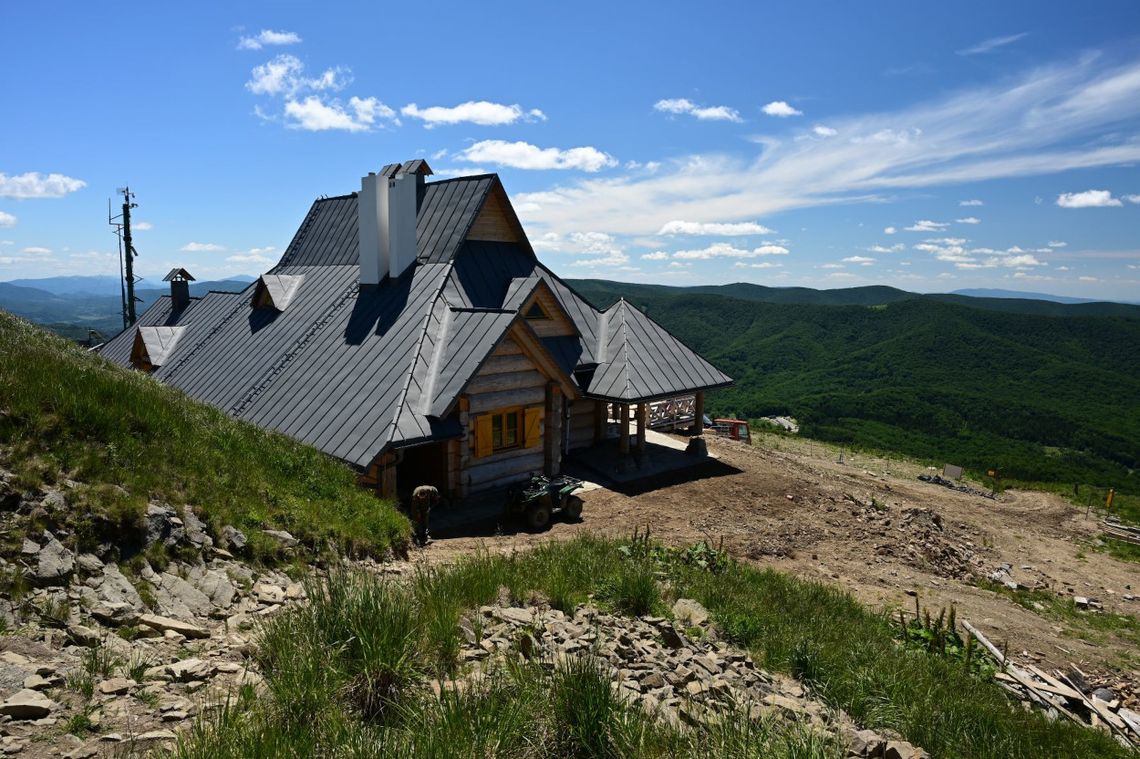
422 465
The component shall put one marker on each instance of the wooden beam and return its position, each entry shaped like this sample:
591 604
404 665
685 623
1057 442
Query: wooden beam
699 413
642 422
552 431
623 441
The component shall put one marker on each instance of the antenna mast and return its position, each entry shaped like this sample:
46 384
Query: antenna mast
127 253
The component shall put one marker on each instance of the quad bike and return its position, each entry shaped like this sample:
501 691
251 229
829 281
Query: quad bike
539 499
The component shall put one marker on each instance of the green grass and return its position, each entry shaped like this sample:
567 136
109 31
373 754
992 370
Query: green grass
1095 625
128 439
343 671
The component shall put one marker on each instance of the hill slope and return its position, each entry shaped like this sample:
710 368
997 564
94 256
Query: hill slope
1041 398
128 440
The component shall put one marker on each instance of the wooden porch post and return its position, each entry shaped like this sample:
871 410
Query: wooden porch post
465 444
552 430
699 413
642 422
388 475
599 420
623 441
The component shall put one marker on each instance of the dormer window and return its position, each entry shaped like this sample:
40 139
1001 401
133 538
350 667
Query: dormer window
535 312
153 345
275 291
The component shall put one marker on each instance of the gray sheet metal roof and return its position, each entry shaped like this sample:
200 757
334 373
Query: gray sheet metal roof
281 288
640 360
354 370
159 342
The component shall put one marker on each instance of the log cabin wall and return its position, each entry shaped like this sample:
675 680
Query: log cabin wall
580 424
508 381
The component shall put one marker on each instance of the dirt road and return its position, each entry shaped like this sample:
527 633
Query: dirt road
870 526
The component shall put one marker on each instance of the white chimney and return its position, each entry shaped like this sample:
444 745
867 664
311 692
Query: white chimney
372 228
401 223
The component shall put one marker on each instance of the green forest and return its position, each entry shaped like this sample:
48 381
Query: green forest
1042 398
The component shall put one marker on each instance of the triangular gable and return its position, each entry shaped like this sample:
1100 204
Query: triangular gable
153 345
533 298
276 291
497 220
471 337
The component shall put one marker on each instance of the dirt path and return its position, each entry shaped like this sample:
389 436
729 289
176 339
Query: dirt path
870 526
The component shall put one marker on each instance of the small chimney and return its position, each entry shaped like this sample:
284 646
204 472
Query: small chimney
387 208
371 219
179 280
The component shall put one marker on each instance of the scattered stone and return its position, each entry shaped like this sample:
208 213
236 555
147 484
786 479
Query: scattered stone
116 686
189 670
54 563
163 624
156 735
89 563
27 704
233 539
865 743
282 537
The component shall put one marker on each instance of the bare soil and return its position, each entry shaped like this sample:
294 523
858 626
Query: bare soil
871 527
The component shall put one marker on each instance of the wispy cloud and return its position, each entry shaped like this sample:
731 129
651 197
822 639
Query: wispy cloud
1088 199
308 104
36 185
7 219
926 225
480 112
819 130
201 247
861 260
713 228
703 113
780 109
974 202
142 226
725 250
968 220
266 38
991 44
523 155
1047 120
889 230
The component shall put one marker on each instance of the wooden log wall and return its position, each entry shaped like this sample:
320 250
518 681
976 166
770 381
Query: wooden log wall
581 423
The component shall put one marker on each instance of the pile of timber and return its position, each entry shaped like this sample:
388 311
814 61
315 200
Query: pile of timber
1064 695
1118 531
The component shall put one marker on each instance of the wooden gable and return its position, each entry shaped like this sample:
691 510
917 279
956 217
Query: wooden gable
496 221
545 314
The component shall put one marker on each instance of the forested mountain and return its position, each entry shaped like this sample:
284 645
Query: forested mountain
1042 397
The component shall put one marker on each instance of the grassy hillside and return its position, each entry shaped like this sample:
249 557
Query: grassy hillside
127 440
1042 398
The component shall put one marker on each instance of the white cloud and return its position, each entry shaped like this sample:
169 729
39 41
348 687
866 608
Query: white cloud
703 113
1057 243
970 203
285 75
268 37
968 220
480 112
1022 260
863 260
1063 268
884 249
889 230
1132 198
780 109
824 131
201 247
713 228
993 43
252 256
36 250
616 258
314 114
926 225
142 226
1088 279
657 255
725 250
1046 120
7 220
523 155
36 185
1088 199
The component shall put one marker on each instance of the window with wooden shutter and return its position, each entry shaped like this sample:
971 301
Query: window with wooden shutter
533 427
483 439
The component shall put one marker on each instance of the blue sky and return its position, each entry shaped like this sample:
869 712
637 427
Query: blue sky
927 146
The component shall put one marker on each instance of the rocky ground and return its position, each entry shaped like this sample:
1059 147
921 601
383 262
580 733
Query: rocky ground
870 526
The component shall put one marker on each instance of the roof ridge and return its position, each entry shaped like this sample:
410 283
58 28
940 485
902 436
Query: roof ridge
402 398
436 356
623 305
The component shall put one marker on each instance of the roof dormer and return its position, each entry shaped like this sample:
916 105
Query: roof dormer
276 291
153 345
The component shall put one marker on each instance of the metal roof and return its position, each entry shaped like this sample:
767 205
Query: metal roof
353 370
158 342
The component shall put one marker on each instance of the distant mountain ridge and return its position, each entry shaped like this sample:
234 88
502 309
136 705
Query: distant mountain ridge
605 292
987 292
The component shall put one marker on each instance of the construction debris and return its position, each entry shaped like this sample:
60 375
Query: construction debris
935 479
1119 531
1064 695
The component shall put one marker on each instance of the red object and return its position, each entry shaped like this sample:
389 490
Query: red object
735 429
